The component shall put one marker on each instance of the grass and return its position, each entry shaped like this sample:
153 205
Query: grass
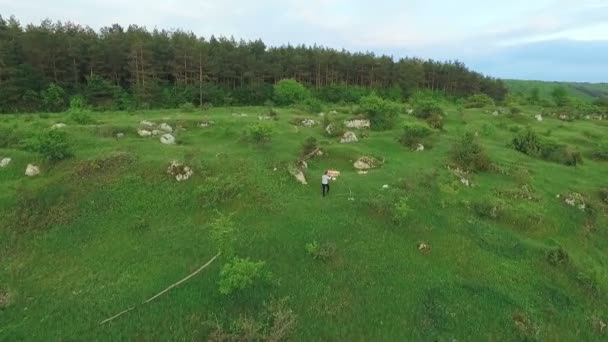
108 228
583 91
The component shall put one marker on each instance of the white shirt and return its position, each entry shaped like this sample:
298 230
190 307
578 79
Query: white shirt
325 179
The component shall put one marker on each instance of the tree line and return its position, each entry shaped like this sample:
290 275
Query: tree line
42 66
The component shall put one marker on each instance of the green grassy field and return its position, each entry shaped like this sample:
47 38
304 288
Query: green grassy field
107 229
583 91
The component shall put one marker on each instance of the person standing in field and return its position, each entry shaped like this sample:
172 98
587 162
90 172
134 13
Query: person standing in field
325 183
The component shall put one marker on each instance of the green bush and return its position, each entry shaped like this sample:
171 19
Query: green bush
313 105
487 208
81 118
413 135
401 211
435 121
187 107
382 114
600 152
514 110
53 98
260 133
289 91
527 142
478 101
53 145
239 274
469 155
426 109
223 232
77 103
558 257
309 145
323 252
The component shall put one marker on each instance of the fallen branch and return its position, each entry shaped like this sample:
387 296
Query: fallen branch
311 154
164 291
183 280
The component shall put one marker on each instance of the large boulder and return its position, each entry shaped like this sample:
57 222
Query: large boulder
366 163
298 175
4 162
349 137
167 139
165 127
357 123
32 170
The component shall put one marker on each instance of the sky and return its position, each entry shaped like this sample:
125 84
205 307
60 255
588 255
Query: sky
551 40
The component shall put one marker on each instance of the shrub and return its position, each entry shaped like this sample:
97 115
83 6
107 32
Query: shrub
435 121
313 105
187 107
600 152
487 209
478 101
81 118
527 142
260 133
53 98
402 211
514 110
222 232
289 91
272 113
44 115
52 145
558 257
323 252
469 155
77 103
426 109
382 114
239 274
413 135
309 145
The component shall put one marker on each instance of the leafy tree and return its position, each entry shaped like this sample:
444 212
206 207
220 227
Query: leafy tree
289 91
382 114
560 96
53 98
53 145
239 274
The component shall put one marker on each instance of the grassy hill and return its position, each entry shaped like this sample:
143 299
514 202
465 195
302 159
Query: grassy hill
584 91
99 233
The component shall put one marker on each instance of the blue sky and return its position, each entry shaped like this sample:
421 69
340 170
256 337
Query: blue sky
565 40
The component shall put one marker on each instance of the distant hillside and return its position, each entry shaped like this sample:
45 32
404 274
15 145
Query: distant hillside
583 91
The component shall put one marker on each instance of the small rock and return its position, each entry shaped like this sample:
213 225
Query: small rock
465 182
420 148
349 137
351 198
264 118
358 124
361 172
120 135
423 247
4 162
32 170
144 133
167 139
321 114
319 153
308 123
410 111
147 123
333 112
495 113
165 127
275 169
58 125
538 117
564 117
180 171
329 129
205 124
385 186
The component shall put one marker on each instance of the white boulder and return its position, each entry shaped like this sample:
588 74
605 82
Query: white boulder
156 132
167 139
298 175
420 148
366 163
180 171
58 125
165 127
308 123
144 133
357 123
4 162
385 186
32 170
349 137
147 123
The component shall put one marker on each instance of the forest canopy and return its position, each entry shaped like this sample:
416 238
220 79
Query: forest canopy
43 66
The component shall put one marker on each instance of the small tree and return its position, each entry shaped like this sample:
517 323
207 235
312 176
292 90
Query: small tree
260 133
53 98
288 92
52 145
382 114
469 155
222 232
560 96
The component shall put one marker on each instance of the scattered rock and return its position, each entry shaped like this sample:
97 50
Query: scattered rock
298 175
465 182
120 135
180 171
420 148
302 164
32 170
264 118
349 137
564 117
319 153
165 127
167 139
385 186
575 200
58 125
423 247
329 129
357 123
206 123
144 133
538 117
361 172
598 325
156 132
307 123
366 163
147 123
4 162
